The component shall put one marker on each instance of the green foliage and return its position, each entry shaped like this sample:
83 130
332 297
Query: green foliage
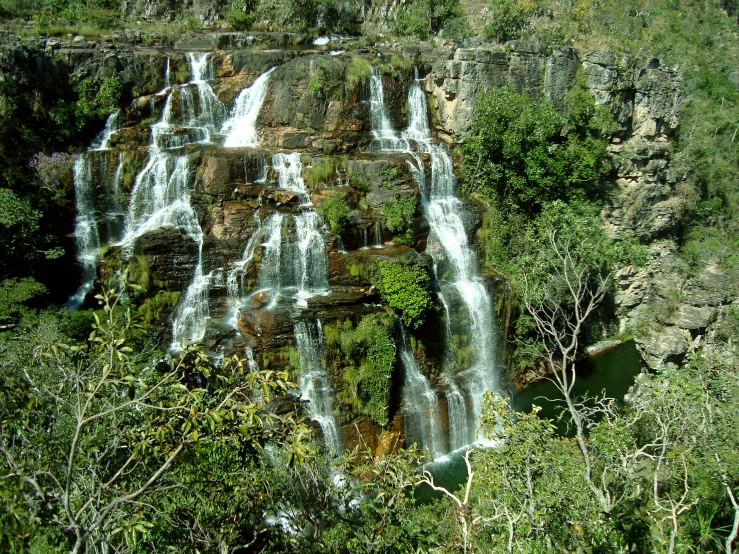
591 255
423 18
522 153
96 100
14 294
358 72
151 309
507 18
82 417
315 87
534 477
360 181
321 172
239 20
368 361
335 209
405 288
19 226
399 214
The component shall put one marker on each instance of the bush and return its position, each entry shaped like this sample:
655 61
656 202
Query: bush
399 213
96 100
335 209
423 18
368 360
239 20
405 288
358 72
524 154
321 172
508 18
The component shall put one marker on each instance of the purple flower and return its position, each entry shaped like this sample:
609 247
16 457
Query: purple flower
51 169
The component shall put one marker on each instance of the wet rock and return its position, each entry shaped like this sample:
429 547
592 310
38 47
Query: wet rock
259 300
170 255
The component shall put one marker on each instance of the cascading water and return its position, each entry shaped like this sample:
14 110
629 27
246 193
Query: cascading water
235 278
314 382
86 234
422 422
455 262
297 262
384 136
102 142
161 192
115 217
212 110
240 128
87 237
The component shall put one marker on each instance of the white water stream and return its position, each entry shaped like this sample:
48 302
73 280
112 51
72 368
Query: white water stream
240 128
455 262
294 259
314 382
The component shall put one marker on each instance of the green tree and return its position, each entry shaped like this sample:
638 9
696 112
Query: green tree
507 18
523 154
90 433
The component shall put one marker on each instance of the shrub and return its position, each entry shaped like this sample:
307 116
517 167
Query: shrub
358 72
523 153
96 100
321 172
507 18
405 288
399 213
54 172
239 20
368 359
422 18
335 209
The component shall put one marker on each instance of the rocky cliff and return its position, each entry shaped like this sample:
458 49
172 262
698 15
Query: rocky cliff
316 109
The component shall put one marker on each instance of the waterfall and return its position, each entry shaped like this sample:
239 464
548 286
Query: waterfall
418 118
161 196
240 128
270 272
86 234
422 422
235 277
289 171
87 237
378 234
212 110
314 382
166 76
102 142
116 215
161 192
190 317
385 137
298 262
260 169
455 263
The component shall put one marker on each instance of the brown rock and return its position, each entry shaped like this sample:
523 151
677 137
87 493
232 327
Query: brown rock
259 299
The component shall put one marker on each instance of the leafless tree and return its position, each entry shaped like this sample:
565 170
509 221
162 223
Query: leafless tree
560 304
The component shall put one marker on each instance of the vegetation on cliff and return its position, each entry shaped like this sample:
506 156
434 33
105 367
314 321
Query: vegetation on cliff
108 445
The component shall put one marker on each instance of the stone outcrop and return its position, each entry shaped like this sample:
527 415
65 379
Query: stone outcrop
313 108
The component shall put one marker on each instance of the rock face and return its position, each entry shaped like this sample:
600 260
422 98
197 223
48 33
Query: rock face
682 308
317 110
644 98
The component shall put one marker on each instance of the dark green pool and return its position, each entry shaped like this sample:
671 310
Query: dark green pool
613 370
